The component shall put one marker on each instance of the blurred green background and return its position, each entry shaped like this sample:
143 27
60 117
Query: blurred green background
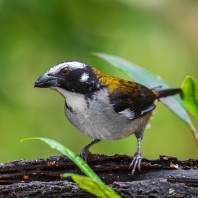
161 36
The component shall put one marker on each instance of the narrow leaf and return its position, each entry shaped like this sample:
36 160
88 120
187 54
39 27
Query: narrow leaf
92 186
71 155
150 80
190 95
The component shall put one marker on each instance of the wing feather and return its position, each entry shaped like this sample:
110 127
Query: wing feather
133 101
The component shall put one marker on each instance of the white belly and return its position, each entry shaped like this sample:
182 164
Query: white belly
98 120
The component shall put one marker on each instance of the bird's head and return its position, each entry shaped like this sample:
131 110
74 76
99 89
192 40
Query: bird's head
72 76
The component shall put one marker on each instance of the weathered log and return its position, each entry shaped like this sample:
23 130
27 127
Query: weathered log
166 177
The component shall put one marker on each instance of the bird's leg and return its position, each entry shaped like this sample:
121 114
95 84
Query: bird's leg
85 151
137 158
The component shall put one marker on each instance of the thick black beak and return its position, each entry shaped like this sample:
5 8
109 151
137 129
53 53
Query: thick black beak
46 81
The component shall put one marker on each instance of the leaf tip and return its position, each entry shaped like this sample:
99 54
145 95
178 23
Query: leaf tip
32 138
67 175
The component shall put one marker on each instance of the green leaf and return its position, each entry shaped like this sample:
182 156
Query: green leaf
190 95
71 155
150 80
92 183
96 188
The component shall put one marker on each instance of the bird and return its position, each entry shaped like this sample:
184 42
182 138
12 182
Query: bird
101 106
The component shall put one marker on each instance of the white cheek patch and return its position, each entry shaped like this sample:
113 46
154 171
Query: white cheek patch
84 77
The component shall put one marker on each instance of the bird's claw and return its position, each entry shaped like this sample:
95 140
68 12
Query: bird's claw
84 153
136 162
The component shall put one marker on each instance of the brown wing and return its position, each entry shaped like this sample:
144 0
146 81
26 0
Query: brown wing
133 99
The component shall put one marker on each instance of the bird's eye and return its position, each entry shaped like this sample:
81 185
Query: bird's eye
64 71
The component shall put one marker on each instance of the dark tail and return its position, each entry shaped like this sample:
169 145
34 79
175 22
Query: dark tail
166 92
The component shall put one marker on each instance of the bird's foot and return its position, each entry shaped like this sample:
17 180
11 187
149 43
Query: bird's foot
84 153
136 162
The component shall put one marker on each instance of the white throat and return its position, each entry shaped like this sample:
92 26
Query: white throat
74 100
